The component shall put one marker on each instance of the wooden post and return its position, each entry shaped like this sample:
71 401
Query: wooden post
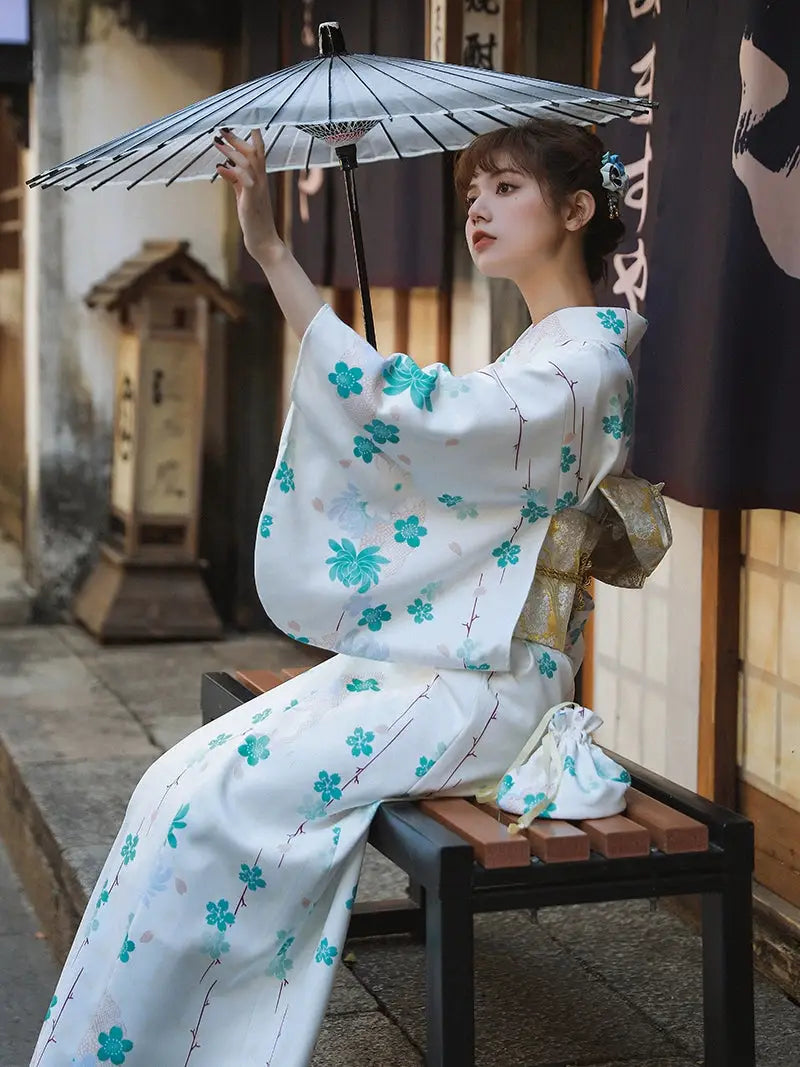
719 656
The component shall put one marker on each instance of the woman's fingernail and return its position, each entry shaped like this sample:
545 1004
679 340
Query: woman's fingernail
220 140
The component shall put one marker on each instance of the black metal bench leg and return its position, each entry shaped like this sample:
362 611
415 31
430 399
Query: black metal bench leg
728 975
450 993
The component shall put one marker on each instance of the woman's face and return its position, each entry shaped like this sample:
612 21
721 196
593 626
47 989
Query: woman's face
510 228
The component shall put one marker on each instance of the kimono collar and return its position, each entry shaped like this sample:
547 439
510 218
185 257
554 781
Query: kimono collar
617 326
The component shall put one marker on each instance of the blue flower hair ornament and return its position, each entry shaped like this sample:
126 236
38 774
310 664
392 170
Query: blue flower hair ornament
615 181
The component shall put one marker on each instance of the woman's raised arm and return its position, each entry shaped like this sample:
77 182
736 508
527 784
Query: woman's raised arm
245 170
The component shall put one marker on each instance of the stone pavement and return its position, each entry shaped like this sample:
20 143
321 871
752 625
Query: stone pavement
590 986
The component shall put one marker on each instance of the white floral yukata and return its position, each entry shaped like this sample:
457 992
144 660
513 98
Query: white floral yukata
401 529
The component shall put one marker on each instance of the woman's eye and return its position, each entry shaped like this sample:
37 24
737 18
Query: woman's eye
468 202
504 187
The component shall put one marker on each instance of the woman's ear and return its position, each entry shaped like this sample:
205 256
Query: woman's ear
579 210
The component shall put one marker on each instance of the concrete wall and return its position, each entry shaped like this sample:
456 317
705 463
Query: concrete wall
647 658
93 81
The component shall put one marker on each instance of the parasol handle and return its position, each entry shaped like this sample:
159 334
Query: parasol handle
349 162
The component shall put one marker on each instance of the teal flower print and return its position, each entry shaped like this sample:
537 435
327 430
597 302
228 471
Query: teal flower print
382 432
569 765
449 501
346 380
627 411
353 567
220 915
505 785
312 808
611 321
128 947
467 511
254 749
618 425
285 476
430 590
215 945
421 611
424 766
506 554
129 849
623 777
403 373
177 824
531 800
251 876
360 741
300 640
361 685
285 941
374 618
326 953
612 425
328 785
282 964
568 457
478 667
547 665
103 897
409 531
113 1046
568 500
364 449
266 522
280 967
220 739
534 507
53 1003
260 716
337 833
352 899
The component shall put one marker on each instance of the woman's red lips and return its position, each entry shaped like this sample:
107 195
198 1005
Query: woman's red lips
480 239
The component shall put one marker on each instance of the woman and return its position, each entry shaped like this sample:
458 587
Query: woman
402 527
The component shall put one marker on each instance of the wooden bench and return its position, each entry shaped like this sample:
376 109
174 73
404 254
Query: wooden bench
461 860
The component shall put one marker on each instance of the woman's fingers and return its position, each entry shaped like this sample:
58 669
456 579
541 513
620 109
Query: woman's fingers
232 153
237 142
258 145
235 175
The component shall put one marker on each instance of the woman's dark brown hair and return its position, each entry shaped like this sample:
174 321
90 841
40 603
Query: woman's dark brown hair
563 158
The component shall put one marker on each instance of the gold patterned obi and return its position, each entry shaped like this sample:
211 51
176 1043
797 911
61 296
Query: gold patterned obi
619 539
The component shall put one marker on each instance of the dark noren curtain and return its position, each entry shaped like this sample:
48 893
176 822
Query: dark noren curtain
719 374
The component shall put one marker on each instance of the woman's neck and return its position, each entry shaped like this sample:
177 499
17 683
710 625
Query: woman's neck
561 284
544 299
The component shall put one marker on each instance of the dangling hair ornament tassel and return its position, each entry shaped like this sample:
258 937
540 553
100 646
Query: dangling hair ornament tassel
615 181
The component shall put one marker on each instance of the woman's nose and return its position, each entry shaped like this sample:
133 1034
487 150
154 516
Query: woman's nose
478 210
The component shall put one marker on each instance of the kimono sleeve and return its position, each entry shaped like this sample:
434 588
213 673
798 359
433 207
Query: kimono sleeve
486 437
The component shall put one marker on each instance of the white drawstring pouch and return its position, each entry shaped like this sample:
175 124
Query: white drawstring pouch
567 776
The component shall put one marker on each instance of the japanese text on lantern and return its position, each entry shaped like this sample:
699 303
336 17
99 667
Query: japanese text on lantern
631 266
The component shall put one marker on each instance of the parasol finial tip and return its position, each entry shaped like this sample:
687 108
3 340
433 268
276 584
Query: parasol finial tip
331 39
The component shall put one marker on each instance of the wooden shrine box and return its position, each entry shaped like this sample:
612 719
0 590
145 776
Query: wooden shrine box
147 583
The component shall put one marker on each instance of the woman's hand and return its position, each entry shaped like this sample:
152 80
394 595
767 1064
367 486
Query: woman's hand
246 171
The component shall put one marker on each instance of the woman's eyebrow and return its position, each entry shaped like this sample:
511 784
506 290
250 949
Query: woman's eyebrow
494 174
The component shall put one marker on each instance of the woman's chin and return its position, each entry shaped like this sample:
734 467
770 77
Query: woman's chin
493 268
